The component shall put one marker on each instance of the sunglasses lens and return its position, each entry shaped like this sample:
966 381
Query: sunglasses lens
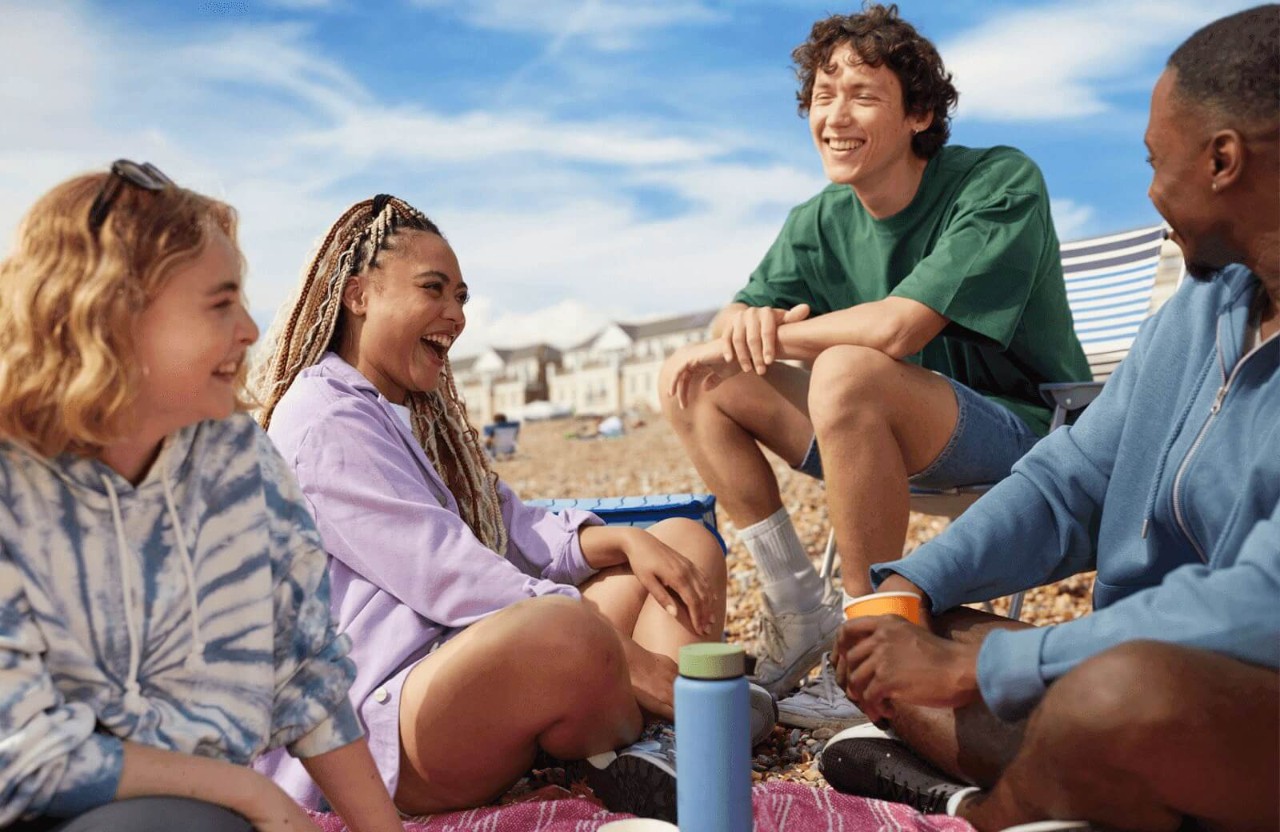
146 176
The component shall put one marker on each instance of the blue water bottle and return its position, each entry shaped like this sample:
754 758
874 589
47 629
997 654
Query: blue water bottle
713 740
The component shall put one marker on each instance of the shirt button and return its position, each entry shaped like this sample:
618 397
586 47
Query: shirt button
381 696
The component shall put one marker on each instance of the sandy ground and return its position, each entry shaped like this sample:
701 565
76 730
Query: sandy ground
648 460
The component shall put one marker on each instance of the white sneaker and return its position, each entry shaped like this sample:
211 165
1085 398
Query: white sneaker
764 713
820 703
793 643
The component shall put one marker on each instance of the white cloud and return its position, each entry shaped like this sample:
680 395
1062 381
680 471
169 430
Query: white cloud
259 116
606 25
563 324
1072 220
410 133
1060 62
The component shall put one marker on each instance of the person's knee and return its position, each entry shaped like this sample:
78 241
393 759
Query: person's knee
848 382
567 640
698 544
1117 702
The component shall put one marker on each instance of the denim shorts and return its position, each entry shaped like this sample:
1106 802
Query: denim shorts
987 440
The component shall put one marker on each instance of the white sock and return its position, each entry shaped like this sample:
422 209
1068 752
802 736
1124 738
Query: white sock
787 577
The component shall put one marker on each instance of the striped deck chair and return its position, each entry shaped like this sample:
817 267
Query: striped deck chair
1112 288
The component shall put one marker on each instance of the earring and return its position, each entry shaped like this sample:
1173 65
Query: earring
1214 186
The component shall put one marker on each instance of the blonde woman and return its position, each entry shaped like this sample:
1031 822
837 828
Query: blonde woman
163 594
484 629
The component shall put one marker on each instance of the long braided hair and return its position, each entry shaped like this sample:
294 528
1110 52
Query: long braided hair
305 328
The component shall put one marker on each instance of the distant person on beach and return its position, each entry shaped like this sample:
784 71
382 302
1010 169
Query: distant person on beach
484 630
164 602
923 290
491 433
1160 710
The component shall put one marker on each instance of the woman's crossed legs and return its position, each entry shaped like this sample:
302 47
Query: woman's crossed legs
548 672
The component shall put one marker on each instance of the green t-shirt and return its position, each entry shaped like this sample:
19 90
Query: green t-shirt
976 245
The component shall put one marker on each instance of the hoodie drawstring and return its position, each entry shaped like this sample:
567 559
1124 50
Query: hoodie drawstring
132 690
195 658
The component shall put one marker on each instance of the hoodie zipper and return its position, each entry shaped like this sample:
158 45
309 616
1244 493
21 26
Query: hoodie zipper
1178 516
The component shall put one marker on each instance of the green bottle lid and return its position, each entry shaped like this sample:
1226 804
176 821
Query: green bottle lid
710 660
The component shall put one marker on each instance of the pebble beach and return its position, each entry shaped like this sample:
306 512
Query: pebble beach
554 460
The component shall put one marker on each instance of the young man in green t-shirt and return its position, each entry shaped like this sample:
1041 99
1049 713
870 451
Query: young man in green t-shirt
923 289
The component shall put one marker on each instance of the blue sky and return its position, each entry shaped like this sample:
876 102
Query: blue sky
588 159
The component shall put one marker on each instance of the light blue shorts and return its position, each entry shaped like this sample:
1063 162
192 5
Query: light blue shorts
987 440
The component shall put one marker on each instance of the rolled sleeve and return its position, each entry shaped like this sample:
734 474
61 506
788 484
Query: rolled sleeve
1009 671
983 269
572 567
341 728
548 541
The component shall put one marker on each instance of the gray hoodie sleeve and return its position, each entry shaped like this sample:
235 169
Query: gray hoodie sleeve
52 762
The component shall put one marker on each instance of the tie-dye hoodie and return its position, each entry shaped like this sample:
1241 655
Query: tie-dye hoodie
189 613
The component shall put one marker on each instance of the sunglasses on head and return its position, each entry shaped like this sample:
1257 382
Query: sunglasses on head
145 175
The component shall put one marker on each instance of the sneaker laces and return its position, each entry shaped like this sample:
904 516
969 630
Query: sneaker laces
823 687
775 646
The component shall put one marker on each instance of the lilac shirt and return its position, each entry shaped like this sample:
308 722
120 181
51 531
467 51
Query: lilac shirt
406 572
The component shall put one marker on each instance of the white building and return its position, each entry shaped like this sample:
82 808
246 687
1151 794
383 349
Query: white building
503 380
614 370
617 368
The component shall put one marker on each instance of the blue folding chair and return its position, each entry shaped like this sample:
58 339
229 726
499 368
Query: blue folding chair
645 510
1110 284
500 439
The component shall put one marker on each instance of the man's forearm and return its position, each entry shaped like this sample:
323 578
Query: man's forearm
895 326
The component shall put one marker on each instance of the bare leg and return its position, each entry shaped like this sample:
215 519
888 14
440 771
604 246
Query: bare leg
971 744
1142 735
877 421
636 615
720 430
545 672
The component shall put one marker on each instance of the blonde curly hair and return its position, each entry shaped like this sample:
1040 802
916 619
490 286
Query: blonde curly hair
311 324
69 301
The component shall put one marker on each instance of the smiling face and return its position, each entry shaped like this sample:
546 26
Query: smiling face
403 315
1182 176
192 339
859 126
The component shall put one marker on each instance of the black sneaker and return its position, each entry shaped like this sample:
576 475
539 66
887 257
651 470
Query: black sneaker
640 779
863 761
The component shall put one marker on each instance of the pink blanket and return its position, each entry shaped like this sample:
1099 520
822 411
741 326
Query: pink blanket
778 807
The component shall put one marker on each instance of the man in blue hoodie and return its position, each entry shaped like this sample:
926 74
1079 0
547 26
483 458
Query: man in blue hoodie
1163 704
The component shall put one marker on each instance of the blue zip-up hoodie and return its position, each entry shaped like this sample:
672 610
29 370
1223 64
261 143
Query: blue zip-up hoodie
1168 486
189 613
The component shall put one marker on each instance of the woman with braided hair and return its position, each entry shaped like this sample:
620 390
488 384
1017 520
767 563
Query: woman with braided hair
484 630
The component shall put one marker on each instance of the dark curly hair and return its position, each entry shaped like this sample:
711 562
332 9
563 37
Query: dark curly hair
881 38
